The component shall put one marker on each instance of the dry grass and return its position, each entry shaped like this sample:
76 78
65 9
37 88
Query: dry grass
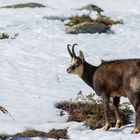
79 19
108 21
24 5
4 136
85 18
6 36
92 113
55 134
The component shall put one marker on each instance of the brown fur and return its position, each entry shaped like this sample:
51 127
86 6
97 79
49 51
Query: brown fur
115 79
119 78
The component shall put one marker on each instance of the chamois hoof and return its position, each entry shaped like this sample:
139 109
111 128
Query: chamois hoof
135 131
118 125
105 128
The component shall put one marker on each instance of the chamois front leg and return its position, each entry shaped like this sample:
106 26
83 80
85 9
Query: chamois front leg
136 104
106 112
116 101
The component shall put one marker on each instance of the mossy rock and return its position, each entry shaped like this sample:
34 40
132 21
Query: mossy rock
87 27
24 5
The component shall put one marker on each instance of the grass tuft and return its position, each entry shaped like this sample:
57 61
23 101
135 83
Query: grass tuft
92 112
108 21
54 134
24 5
6 36
74 20
79 19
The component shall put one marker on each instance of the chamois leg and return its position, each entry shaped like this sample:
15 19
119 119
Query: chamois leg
136 105
106 112
116 101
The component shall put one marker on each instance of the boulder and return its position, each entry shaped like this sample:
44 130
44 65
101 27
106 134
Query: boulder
87 27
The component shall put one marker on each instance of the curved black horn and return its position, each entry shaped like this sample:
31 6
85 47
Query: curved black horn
69 50
73 49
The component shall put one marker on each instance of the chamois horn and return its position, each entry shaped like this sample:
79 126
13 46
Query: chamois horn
69 50
73 50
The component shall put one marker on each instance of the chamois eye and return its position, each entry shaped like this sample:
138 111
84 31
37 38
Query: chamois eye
76 65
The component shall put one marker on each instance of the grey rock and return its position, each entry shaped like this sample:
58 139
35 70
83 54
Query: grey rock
91 8
87 27
24 5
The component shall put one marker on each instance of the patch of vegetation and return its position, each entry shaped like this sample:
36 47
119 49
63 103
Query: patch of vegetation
6 36
4 136
55 134
79 19
92 112
74 20
24 5
108 21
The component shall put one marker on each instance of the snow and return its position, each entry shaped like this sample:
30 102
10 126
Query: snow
33 66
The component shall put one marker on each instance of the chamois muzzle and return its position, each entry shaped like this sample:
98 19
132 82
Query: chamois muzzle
70 69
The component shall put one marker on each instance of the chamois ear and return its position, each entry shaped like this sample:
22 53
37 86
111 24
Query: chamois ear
81 56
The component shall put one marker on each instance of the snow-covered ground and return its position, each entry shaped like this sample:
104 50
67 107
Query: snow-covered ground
33 67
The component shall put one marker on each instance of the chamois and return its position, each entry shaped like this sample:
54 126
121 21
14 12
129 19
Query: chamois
110 79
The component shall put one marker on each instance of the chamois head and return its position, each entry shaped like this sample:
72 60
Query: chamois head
76 64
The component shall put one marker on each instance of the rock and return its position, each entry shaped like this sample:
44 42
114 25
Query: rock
24 5
87 27
92 7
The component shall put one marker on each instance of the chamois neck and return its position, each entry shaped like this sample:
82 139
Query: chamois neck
88 73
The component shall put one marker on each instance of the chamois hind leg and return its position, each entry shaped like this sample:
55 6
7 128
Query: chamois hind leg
106 112
116 101
136 104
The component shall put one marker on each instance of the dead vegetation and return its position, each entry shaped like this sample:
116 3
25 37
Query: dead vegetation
91 111
5 111
6 36
24 5
74 20
55 134
87 24
108 21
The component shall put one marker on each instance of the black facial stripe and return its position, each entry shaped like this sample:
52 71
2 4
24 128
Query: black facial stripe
73 67
76 65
